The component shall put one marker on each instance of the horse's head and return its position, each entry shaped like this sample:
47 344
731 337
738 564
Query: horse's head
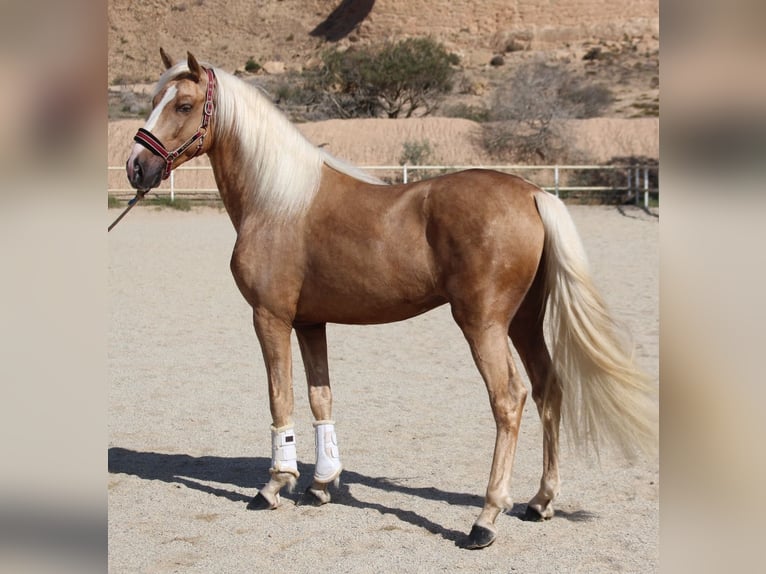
175 132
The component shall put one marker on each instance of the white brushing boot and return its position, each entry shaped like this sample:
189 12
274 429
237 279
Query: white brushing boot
328 466
284 469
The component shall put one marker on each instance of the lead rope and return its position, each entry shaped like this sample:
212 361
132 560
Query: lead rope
139 196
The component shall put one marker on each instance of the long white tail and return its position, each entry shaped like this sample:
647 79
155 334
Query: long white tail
605 397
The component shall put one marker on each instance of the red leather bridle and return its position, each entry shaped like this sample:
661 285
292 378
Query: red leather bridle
154 145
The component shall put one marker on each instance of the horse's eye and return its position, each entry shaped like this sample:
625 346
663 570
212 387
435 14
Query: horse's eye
184 108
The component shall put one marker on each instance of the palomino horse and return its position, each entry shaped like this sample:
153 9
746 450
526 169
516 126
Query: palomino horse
320 241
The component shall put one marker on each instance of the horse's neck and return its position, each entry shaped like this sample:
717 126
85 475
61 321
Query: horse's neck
230 188
238 190
263 163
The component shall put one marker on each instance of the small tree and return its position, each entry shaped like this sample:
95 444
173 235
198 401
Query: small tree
395 80
525 110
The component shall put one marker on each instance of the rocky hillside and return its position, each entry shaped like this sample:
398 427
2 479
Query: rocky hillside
292 32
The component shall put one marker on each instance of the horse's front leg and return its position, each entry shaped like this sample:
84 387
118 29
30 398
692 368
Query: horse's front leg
274 337
313 344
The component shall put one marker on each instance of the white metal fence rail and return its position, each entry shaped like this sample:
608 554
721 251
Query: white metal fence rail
553 178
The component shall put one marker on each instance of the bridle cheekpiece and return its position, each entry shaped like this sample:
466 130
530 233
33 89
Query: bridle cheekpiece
154 145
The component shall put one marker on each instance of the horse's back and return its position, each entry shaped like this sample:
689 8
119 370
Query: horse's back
484 192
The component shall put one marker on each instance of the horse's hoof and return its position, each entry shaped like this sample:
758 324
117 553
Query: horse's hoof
480 537
533 515
313 498
259 502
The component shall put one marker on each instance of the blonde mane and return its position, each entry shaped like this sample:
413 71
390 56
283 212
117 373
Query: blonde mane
281 168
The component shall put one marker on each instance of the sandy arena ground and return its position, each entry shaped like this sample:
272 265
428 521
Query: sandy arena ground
189 427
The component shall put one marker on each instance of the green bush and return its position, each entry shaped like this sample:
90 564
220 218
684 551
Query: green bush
416 153
478 114
252 66
394 80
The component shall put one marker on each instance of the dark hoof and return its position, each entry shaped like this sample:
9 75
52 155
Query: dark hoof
532 515
259 502
480 537
310 498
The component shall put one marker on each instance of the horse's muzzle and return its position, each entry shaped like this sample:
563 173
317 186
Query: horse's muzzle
144 173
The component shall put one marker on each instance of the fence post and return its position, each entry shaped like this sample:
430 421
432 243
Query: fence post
404 173
646 187
630 181
556 179
636 184
172 187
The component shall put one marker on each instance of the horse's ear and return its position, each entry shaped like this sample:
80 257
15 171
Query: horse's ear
167 60
194 67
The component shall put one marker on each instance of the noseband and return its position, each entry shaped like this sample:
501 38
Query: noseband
154 145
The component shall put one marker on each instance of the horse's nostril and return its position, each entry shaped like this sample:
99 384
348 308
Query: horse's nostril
137 172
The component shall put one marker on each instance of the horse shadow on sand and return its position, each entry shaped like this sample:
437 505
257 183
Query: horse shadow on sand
249 472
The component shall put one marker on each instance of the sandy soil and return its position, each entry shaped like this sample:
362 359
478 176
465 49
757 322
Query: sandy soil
377 142
189 427
454 141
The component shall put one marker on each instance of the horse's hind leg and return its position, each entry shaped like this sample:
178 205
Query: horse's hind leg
313 344
526 332
489 345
